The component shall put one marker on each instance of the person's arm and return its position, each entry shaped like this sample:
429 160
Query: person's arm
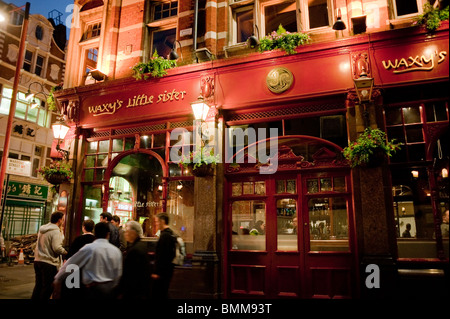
57 246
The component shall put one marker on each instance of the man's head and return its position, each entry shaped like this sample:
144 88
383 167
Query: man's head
162 220
101 230
88 226
57 218
133 231
408 226
105 217
115 221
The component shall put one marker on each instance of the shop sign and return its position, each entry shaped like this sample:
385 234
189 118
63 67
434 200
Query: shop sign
424 62
18 167
27 190
110 108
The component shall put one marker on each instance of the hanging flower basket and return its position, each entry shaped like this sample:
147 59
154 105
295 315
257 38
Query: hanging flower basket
58 172
200 162
370 149
203 170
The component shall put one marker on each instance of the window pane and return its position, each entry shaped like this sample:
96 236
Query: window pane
414 134
117 145
244 25
129 143
42 118
248 188
104 146
159 140
247 218
393 116
90 161
92 202
163 42
406 7
328 224
284 14
260 188
413 214
436 111
411 114
5 105
92 147
287 224
312 185
236 189
318 13
339 184
325 184
416 152
32 114
88 175
180 207
21 110
102 160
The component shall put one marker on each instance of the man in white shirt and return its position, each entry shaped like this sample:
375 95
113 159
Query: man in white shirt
100 266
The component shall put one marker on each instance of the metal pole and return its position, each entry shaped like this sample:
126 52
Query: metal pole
12 109
4 202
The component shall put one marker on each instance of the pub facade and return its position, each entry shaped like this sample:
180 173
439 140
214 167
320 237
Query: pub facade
282 215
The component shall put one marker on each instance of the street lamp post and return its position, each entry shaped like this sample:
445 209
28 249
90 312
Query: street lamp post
12 109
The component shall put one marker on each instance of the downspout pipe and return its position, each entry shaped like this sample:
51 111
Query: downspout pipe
195 27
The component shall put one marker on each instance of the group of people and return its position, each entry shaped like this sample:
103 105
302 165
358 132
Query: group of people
105 262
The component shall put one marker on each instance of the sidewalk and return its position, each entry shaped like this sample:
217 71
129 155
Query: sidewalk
16 282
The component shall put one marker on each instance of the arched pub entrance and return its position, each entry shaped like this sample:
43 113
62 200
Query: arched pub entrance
306 247
136 187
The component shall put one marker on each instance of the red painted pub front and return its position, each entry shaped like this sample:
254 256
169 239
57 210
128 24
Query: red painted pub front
310 227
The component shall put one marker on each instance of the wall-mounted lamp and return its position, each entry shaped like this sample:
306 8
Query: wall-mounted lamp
200 108
30 95
339 25
203 54
173 54
253 41
98 75
415 174
60 130
364 86
444 173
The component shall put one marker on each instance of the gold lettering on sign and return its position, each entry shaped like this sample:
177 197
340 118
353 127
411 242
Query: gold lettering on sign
105 108
135 101
417 63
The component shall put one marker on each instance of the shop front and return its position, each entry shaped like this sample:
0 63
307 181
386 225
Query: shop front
308 225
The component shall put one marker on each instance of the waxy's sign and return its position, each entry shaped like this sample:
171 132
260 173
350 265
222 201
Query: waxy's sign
110 108
417 63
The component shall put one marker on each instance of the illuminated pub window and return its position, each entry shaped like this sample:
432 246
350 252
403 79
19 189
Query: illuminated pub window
414 177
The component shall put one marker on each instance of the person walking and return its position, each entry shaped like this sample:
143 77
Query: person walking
47 256
114 237
100 266
86 238
164 255
136 278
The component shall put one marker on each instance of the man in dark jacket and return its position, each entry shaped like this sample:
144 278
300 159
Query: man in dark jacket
114 237
164 255
136 277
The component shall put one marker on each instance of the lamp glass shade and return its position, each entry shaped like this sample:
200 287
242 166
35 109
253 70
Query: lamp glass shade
364 87
98 75
200 109
60 130
173 55
29 95
34 104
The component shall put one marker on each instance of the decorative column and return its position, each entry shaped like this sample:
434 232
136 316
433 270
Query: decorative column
372 193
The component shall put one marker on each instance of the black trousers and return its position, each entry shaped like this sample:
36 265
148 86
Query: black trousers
162 284
45 274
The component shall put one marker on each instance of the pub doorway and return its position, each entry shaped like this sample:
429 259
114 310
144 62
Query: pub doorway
291 234
136 189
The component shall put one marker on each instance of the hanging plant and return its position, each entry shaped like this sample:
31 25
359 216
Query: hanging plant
370 148
432 16
155 67
58 172
201 162
283 40
51 102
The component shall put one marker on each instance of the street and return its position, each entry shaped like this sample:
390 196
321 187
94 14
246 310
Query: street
16 282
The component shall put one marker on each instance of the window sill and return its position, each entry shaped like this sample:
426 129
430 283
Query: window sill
238 49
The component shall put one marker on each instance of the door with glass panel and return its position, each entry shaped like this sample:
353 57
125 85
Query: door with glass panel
290 237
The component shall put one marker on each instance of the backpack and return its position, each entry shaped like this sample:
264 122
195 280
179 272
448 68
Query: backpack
180 251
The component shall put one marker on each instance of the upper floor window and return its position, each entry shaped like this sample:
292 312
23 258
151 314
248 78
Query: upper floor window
17 18
24 108
243 18
405 7
39 65
283 13
39 32
92 31
28 60
164 10
319 13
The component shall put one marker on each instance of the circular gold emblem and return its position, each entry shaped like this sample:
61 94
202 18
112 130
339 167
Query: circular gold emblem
279 80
